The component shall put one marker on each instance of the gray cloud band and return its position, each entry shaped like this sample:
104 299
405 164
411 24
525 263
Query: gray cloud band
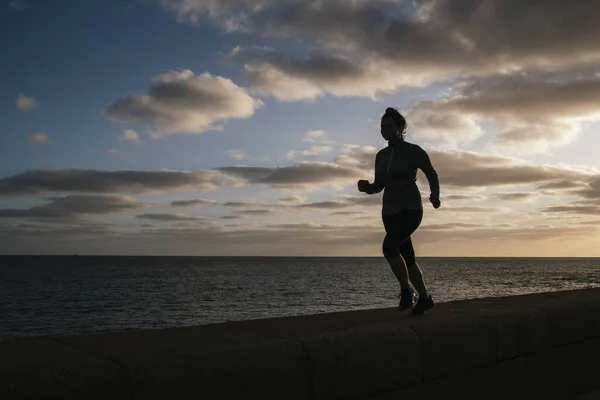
74 206
36 182
457 169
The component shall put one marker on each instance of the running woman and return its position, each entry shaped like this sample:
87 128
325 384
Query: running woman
402 209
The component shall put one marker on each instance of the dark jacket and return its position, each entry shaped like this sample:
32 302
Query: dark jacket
396 172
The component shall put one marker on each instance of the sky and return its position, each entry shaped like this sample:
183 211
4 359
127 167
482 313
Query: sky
223 127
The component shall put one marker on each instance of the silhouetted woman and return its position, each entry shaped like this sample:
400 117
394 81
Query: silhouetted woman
402 209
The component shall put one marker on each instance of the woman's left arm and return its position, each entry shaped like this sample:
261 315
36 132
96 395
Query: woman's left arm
424 163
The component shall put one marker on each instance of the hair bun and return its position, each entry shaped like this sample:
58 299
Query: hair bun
390 110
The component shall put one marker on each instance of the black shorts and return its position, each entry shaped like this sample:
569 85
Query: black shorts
399 227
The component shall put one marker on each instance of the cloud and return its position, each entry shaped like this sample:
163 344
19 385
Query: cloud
463 169
356 156
534 110
393 44
73 206
294 176
311 136
113 153
588 202
346 202
256 212
25 103
192 202
39 137
595 222
561 185
180 102
307 226
232 217
244 203
297 203
167 217
317 150
267 80
325 205
473 209
235 154
451 226
347 213
447 127
459 169
574 209
363 200
94 181
591 190
131 136
463 197
516 196
190 11
312 151
456 169
290 79
291 200
55 236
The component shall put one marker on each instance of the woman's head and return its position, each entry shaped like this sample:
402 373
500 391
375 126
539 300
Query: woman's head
393 124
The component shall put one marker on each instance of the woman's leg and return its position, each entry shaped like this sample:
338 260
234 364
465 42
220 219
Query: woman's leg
399 269
416 277
414 272
398 228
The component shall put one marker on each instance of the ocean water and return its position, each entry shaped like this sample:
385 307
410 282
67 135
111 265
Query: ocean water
66 295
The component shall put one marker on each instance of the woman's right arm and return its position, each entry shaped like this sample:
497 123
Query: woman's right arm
378 184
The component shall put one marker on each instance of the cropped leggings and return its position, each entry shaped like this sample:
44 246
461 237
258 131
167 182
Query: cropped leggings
398 228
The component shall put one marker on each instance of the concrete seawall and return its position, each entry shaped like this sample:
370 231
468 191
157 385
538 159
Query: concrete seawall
537 346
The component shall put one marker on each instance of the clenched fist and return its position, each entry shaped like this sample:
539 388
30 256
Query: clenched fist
363 185
435 201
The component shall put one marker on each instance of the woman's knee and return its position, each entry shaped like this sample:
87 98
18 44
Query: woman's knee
413 267
389 250
410 260
408 253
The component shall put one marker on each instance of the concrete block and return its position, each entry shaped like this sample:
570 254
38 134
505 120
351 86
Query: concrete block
577 294
355 354
314 321
519 330
572 315
204 362
497 382
45 369
595 395
549 374
594 310
584 365
453 343
342 355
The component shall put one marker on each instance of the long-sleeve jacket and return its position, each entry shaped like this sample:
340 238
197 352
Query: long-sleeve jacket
396 172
